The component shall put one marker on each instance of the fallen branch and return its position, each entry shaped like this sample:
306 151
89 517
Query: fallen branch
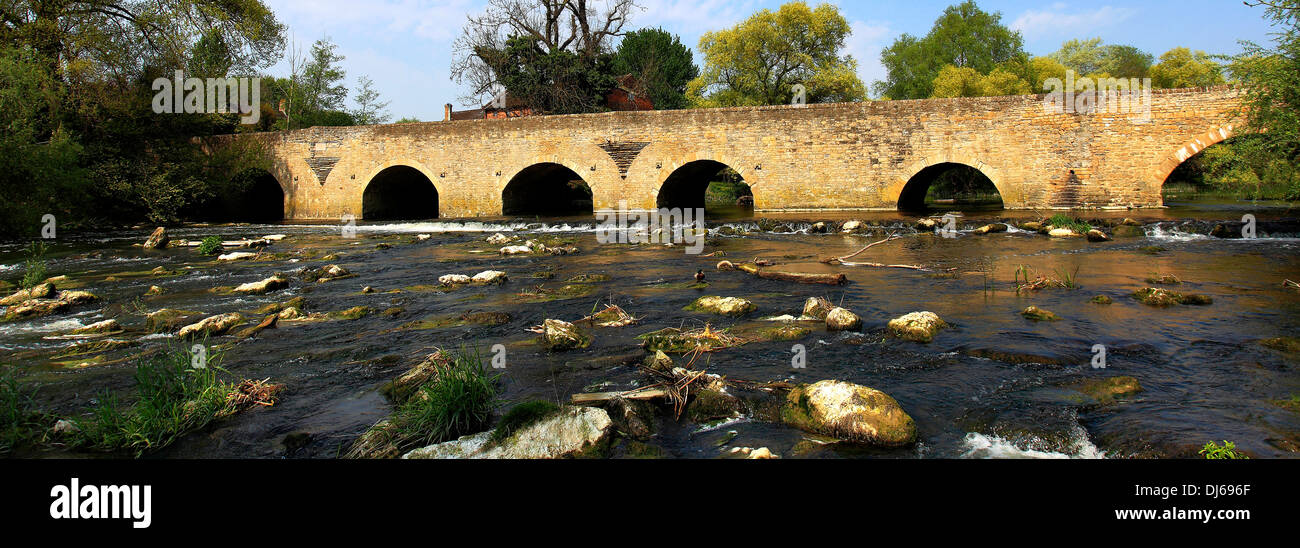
891 238
878 265
796 277
1290 284
644 393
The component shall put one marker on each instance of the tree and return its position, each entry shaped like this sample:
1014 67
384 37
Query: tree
1092 57
759 61
660 63
559 82
964 37
1182 68
967 82
322 78
370 110
1271 78
584 28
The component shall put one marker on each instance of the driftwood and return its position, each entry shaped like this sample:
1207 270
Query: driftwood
647 393
796 277
844 261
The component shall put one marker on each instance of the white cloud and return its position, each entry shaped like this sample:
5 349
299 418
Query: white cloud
865 45
1055 21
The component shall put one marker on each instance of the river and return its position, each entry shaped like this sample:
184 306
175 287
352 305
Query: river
993 385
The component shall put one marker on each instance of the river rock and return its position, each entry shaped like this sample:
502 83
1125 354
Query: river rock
1031 226
157 240
212 326
917 326
1163 298
726 306
490 277
571 432
1095 235
839 319
35 308
499 239
236 256
77 297
559 336
1061 233
403 386
851 227
991 228
1039 314
516 250
851 412
926 224
167 320
454 279
274 283
154 291
99 328
274 237
290 313
819 228
817 307
1105 391
41 291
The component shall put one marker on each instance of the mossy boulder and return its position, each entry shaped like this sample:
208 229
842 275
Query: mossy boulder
1105 391
1101 299
726 306
917 326
40 291
851 412
817 307
167 320
212 326
560 336
712 404
1039 314
401 388
100 328
36 308
785 332
354 313
1285 344
840 319
1164 298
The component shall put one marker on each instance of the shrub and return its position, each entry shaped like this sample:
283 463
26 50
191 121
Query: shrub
457 402
1212 451
34 268
1061 220
210 245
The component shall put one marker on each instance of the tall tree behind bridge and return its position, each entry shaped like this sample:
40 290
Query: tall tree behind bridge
1271 142
567 35
759 61
964 36
660 63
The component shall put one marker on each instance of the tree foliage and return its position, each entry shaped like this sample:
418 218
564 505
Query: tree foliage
1184 68
759 61
661 64
964 37
1270 75
558 29
1092 57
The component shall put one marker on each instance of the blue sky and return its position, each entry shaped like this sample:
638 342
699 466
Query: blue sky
405 45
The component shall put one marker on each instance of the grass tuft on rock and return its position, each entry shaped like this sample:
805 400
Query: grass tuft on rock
174 396
522 416
458 401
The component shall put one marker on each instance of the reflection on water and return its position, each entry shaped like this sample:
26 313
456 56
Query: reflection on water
993 386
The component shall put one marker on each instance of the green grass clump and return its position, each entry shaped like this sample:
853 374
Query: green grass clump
456 402
1212 451
522 416
210 246
1061 220
34 268
18 423
174 398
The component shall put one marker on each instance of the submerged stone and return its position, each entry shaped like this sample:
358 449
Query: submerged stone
1039 314
726 306
573 432
917 326
559 336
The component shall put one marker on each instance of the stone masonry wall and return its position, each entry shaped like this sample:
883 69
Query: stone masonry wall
831 156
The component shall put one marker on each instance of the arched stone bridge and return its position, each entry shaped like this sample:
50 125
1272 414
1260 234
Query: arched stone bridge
824 156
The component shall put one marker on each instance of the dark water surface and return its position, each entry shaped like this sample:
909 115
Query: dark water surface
1205 375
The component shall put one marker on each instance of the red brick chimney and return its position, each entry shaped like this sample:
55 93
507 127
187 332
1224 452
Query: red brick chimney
447 113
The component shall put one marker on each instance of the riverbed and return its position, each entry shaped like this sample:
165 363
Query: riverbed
994 385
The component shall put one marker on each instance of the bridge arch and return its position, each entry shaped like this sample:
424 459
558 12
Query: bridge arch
908 193
687 186
547 189
1185 152
254 195
399 191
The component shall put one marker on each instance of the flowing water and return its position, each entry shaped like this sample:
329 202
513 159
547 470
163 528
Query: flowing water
994 385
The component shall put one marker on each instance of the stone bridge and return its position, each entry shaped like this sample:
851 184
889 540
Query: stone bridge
872 155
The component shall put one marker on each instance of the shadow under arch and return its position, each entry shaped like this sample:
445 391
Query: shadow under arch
253 195
708 184
547 189
1178 166
399 193
949 185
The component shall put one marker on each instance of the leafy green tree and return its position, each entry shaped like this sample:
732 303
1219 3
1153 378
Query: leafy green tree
1182 68
370 110
322 78
660 63
964 36
558 82
967 82
759 61
1271 83
1092 57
